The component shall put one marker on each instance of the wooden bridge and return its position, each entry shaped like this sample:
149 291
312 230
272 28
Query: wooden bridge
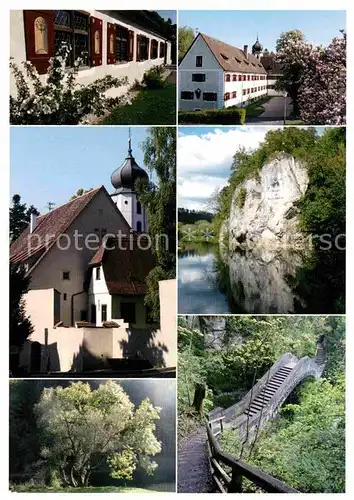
201 461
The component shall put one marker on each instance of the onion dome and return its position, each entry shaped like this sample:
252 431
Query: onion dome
257 47
126 175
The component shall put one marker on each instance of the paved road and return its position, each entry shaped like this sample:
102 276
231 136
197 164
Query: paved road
273 112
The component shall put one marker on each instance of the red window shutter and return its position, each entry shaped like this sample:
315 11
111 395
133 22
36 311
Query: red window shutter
111 43
138 47
39 36
96 41
131 45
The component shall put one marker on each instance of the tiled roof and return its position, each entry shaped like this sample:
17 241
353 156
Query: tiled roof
271 66
49 227
233 59
125 265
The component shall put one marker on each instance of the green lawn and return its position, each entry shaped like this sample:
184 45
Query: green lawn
150 107
256 108
90 489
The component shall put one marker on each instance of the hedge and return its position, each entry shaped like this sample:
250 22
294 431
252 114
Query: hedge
232 116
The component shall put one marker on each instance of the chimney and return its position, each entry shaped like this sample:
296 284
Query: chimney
245 50
33 223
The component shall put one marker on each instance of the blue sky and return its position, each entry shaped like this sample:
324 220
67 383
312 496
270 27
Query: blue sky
240 28
51 163
205 156
168 13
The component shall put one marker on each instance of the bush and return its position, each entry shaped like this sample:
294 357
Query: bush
153 78
59 100
241 197
233 116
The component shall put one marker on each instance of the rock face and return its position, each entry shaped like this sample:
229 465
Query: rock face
263 210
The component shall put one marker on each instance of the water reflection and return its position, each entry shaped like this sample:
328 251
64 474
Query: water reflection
197 282
259 281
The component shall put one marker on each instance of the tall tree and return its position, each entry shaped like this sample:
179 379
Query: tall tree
292 53
185 39
20 216
20 324
322 96
160 202
85 428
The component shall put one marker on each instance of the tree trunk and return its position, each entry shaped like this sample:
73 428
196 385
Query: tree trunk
199 396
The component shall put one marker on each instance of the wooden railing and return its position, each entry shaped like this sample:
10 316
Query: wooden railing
226 483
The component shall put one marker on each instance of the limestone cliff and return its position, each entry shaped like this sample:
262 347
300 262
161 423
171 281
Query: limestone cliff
263 211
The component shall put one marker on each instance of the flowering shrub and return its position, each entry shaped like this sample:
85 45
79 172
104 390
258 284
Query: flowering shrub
60 100
322 95
314 77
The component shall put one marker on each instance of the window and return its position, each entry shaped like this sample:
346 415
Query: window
138 226
198 77
227 78
142 48
244 92
162 49
83 315
127 311
244 78
72 27
98 273
248 91
199 61
138 207
239 78
233 95
66 275
122 44
65 296
227 96
248 78
188 96
154 49
210 96
103 313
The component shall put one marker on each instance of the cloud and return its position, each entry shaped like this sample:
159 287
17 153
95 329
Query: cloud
204 160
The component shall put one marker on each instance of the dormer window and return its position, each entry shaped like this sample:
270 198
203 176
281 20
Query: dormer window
224 57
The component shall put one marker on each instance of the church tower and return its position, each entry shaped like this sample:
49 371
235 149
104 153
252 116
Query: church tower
257 49
125 197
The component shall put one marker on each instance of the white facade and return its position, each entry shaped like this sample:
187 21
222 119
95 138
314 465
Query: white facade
132 210
133 70
241 87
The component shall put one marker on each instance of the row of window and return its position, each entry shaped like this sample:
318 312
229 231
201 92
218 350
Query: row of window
244 78
207 96
46 31
213 96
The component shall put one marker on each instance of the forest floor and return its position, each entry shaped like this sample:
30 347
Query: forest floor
18 488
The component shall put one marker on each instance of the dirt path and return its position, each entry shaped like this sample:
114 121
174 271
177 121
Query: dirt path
193 467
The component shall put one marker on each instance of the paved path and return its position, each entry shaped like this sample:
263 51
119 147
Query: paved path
193 466
273 112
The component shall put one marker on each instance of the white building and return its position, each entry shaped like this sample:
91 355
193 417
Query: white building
214 75
110 42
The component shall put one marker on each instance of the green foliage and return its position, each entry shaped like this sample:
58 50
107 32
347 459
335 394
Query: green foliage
84 428
80 192
20 216
185 39
241 197
200 231
227 116
153 78
160 202
191 216
20 324
59 100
